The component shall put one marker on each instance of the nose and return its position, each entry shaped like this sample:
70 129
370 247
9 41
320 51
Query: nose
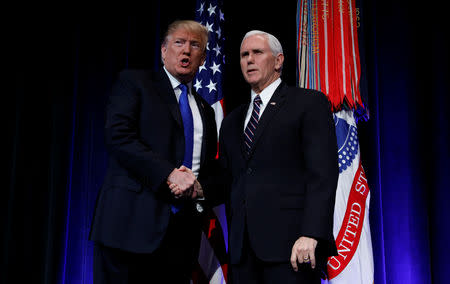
187 48
250 58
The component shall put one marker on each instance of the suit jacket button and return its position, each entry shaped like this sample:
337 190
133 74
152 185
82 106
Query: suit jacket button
249 170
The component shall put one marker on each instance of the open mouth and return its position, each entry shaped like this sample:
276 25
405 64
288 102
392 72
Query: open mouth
184 62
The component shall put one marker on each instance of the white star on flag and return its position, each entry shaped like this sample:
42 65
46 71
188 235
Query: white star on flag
215 68
201 8
209 27
217 49
219 32
202 67
211 86
198 85
211 9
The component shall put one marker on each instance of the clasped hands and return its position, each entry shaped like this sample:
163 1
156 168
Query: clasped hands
183 183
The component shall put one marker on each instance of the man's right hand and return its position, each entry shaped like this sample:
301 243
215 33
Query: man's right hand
196 193
184 180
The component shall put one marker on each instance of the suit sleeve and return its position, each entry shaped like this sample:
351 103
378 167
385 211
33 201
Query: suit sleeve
321 163
123 139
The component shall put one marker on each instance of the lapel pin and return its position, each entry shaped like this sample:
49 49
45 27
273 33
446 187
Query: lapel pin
273 103
199 207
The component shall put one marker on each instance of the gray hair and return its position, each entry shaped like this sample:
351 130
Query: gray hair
274 43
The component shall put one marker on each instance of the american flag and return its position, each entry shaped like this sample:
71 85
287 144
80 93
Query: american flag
208 82
212 262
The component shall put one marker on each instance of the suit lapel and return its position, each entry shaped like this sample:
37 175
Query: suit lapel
271 109
241 129
165 91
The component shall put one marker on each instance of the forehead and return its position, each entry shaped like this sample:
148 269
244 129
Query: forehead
255 42
184 34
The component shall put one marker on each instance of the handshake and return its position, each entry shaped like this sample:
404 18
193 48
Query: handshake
183 183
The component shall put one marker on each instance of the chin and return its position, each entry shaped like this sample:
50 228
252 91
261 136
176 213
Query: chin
187 77
185 73
252 82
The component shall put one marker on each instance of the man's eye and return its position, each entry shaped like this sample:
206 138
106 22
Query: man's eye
195 45
178 43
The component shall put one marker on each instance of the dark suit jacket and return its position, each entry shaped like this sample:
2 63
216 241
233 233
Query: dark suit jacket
286 187
145 139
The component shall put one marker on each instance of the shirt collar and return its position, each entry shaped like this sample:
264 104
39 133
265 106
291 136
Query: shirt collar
174 82
267 93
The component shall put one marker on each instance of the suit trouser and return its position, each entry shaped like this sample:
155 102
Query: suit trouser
171 262
252 270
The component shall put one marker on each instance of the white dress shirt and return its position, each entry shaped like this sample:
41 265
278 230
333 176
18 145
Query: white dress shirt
198 125
265 96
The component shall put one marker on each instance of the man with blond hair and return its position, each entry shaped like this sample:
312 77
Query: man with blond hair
158 131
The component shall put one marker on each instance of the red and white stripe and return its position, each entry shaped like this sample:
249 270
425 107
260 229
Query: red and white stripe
330 64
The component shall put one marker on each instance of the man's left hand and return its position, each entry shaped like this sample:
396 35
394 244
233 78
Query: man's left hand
303 252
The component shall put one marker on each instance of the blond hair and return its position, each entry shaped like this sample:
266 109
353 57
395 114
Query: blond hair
190 26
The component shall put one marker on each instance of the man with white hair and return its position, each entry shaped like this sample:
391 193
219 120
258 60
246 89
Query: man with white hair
279 153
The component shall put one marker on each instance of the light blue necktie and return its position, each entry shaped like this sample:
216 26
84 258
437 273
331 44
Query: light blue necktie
188 125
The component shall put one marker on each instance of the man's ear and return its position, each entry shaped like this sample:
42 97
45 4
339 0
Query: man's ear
279 59
163 52
203 58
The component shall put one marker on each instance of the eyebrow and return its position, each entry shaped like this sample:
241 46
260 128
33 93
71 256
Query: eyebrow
183 39
254 50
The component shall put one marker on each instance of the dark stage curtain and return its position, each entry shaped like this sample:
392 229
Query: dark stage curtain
59 72
406 141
